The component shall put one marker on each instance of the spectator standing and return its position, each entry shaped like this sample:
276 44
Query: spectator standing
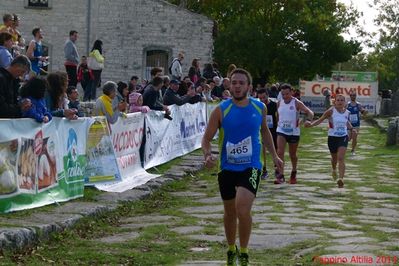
192 94
7 23
6 44
35 51
85 77
96 64
71 57
56 101
34 90
176 69
18 41
194 72
9 85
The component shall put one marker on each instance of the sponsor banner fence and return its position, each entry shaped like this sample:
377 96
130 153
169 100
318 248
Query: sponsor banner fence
127 137
101 161
41 164
166 140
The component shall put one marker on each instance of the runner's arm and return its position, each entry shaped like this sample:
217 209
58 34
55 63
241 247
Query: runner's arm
213 125
326 114
302 107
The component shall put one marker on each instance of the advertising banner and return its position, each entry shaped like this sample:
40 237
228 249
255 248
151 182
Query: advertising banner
101 160
127 136
166 140
41 164
313 93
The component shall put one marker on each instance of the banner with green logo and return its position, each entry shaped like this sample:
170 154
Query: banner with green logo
41 164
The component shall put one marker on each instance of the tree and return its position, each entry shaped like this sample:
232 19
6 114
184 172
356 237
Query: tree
387 49
285 39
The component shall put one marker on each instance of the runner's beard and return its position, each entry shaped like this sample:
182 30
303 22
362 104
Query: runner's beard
240 98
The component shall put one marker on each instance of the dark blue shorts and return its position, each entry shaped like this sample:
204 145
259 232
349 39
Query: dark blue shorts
229 180
335 142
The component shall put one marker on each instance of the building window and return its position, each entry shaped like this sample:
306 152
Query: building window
156 58
45 4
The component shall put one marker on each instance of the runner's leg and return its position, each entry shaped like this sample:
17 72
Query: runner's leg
244 200
230 221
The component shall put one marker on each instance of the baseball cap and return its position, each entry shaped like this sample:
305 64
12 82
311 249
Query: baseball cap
174 81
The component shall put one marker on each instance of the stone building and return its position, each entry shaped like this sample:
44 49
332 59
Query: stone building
137 34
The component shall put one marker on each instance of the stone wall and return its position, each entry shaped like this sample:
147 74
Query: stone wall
128 28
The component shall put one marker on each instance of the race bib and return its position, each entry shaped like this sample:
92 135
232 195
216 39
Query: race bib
269 121
353 118
340 129
240 153
286 126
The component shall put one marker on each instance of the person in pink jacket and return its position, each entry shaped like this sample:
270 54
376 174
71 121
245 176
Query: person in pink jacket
136 103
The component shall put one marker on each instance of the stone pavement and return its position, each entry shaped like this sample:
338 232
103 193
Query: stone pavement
282 215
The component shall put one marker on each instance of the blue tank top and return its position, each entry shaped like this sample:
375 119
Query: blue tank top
239 135
354 114
36 53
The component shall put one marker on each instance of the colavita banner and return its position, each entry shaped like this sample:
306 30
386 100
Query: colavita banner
41 164
313 93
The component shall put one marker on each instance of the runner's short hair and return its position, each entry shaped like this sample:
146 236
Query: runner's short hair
244 72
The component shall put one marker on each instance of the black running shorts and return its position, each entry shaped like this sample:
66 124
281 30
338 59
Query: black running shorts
335 142
289 138
229 180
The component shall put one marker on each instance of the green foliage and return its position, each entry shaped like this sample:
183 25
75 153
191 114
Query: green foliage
283 39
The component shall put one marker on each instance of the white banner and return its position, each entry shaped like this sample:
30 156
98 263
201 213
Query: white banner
127 136
312 93
166 140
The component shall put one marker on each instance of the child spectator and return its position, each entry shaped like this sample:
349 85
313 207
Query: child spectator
73 97
85 77
34 90
136 103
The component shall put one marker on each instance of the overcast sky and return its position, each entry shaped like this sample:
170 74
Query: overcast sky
368 16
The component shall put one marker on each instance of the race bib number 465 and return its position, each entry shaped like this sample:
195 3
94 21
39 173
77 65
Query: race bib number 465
240 153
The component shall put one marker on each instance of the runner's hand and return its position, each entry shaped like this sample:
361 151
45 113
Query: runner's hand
210 161
278 163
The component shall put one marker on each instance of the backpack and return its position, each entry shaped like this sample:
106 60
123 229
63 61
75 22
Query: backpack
171 64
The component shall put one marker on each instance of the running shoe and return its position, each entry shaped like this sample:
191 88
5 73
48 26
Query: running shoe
334 174
279 179
265 174
340 183
353 153
293 178
232 257
243 259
